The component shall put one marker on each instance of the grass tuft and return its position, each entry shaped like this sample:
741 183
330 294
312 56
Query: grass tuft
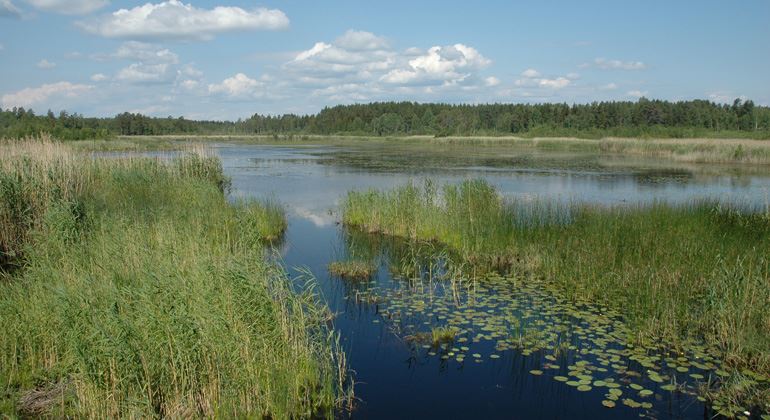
353 269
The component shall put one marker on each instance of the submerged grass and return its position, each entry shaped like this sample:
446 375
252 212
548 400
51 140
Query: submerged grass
682 273
132 288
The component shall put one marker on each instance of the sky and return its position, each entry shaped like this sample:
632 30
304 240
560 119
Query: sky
229 59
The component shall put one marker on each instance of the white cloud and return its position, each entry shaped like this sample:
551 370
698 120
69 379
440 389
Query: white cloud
98 77
447 65
40 95
491 81
361 40
45 64
557 83
609 86
189 84
238 86
189 71
636 93
532 78
148 53
606 64
152 64
8 9
176 20
361 66
68 7
145 73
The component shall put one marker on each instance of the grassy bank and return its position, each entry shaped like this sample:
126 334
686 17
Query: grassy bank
132 288
688 273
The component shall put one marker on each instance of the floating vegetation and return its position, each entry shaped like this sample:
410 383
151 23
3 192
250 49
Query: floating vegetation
587 347
353 270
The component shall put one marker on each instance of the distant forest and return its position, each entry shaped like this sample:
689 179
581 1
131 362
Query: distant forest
643 118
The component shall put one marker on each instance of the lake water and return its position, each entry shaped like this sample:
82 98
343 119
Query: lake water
508 331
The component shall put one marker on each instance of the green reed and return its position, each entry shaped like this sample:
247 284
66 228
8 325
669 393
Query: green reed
132 288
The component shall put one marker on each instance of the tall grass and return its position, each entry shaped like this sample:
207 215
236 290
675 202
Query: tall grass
681 273
132 288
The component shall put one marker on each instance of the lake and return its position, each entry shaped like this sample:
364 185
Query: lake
521 351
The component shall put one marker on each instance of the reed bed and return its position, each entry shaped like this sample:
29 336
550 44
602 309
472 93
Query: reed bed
695 272
132 288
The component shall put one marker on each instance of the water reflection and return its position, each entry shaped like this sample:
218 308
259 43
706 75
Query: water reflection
382 321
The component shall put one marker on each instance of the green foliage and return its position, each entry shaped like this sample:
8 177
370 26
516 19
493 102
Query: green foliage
141 292
644 118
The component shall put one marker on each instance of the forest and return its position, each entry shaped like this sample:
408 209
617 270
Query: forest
643 118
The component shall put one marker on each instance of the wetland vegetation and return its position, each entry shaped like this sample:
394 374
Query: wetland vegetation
692 276
131 287
353 269
165 300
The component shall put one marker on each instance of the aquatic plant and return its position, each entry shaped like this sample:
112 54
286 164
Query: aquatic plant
443 335
680 274
352 269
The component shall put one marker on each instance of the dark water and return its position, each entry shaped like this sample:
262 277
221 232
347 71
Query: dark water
397 378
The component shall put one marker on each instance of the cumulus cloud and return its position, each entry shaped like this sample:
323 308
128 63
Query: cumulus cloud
238 86
532 78
98 77
176 20
361 41
151 63
146 73
361 66
331 61
606 64
68 7
45 64
42 94
443 65
636 93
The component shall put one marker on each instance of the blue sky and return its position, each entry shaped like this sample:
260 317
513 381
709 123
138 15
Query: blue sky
227 59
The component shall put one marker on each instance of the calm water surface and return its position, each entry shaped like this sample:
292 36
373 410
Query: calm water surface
396 378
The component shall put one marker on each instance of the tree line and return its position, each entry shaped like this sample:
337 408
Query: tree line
644 117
